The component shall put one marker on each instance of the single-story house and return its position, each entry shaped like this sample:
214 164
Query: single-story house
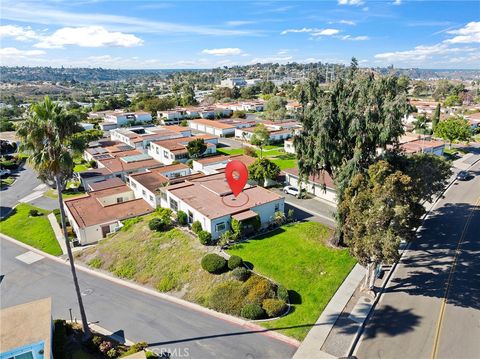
212 127
423 146
215 164
26 330
169 151
141 137
146 184
210 201
288 146
246 134
321 185
104 184
99 213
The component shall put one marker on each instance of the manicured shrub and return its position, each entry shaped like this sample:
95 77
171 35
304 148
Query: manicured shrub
164 212
274 307
250 151
227 298
241 274
93 163
260 290
97 340
105 346
196 227
158 224
182 218
252 311
282 293
112 353
135 348
34 213
204 237
234 262
213 263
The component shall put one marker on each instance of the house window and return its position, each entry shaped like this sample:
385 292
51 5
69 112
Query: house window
277 207
173 205
165 154
133 184
119 199
163 195
144 193
220 227
190 217
151 198
158 151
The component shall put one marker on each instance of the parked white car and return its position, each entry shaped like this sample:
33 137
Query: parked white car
291 190
4 172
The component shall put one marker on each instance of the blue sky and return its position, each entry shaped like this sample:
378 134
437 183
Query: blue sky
205 34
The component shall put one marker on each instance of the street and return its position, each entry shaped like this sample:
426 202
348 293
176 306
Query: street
431 305
166 326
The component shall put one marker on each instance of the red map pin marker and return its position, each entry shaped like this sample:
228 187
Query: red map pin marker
237 176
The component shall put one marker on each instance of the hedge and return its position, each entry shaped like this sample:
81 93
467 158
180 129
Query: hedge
274 307
234 262
204 237
241 274
252 311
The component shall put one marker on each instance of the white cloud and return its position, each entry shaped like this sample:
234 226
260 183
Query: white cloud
239 22
421 53
470 33
397 2
347 22
355 38
227 51
18 33
39 13
88 36
272 59
313 31
350 2
326 32
12 52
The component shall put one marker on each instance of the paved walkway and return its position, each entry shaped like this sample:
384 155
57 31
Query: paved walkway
311 345
58 232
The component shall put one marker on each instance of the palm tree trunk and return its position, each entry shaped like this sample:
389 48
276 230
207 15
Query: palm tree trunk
86 330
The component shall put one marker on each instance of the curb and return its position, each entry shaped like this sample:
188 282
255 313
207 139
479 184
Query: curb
228 318
377 299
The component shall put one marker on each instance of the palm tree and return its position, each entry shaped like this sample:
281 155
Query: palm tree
45 137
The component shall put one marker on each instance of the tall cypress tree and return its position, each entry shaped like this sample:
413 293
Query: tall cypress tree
345 125
436 117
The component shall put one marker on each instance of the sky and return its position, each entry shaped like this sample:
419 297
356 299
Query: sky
207 34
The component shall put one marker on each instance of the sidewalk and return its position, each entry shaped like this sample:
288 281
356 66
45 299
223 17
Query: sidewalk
316 337
58 232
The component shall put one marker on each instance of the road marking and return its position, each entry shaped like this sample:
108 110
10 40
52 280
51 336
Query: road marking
29 257
31 197
441 315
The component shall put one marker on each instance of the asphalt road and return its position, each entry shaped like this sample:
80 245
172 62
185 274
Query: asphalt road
431 308
166 326
25 183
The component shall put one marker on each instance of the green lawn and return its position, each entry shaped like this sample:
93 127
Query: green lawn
52 193
298 257
285 161
230 151
35 231
8 181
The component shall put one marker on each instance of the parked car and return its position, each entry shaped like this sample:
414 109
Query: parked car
463 176
291 190
4 172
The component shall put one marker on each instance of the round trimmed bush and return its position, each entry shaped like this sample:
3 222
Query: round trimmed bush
282 293
234 262
213 263
204 237
274 307
34 213
182 218
226 298
252 311
196 227
258 289
157 224
241 274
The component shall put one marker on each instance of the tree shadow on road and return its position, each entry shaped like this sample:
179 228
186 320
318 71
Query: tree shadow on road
429 261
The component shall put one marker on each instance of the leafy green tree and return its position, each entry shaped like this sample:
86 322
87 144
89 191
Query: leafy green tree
275 108
404 83
452 100
196 147
262 170
453 129
188 96
380 212
80 140
442 90
267 87
421 125
419 88
260 137
436 117
45 136
249 92
6 126
345 124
